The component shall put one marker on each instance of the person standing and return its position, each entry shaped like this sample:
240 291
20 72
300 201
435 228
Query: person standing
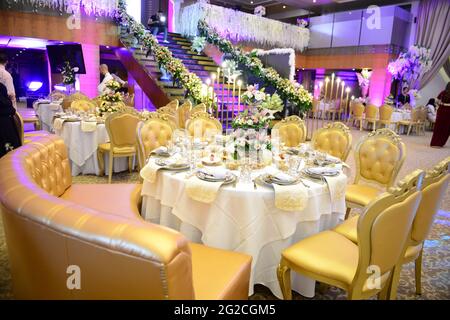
158 22
6 78
431 110
9 133
106 77
441 130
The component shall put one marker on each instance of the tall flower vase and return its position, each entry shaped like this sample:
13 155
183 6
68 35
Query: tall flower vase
70 88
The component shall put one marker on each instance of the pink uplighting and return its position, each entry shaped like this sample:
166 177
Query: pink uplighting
171 16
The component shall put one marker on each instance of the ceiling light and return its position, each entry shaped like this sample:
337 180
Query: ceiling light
251 2
284 7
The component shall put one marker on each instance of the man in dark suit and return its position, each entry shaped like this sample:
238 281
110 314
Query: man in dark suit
158 22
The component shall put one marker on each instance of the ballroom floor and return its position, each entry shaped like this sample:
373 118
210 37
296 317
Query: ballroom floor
435 278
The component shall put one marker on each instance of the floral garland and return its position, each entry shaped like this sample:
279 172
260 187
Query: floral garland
175 67
287 89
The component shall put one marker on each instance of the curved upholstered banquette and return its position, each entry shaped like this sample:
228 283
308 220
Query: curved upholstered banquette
55 228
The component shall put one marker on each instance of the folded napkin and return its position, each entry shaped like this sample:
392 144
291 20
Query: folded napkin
336 186
160 150
57 124
291 197
216 173
284 177
332 159
202 191
88 126
323 170
149 171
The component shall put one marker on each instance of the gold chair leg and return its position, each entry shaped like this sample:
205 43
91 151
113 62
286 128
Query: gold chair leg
393 285
284 279
409 130
101 163
360 125
130 164
347 213
111 163
418 273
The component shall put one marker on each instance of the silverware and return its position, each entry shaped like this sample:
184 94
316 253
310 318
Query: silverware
254 184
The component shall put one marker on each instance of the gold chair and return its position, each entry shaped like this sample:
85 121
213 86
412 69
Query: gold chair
291 130
57 95
170 112
371 116
335 139
366 268
121 128
357 114
184 112
385 112
25 137
129 100
198 108
415 122
314 112
378 157
203 124
172 105
67 101
83 105
153 133
434 185
331 113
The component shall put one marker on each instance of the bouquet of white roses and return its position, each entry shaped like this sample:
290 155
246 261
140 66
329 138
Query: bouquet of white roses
253 96
107 107
113 85
68 73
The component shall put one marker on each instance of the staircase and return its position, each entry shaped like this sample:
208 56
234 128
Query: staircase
200 64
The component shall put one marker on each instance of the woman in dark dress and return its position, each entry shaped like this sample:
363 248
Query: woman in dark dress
442 126
9 135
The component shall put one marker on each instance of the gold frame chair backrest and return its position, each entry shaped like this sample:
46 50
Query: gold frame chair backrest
184 112
383 230
423 114
386 112
315 105
121 128
83 105
18 120
57 95
291 130
67 101
435 184
153 133
203 123
169 111
379 157
198 108
172 105
415 114
358 109
335 139
371 111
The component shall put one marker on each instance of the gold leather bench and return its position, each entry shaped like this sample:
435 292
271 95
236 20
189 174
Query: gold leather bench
52 224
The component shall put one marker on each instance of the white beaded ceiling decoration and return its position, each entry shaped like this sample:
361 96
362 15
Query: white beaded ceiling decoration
90 7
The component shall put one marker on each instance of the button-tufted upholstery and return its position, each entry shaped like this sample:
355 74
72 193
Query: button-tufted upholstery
82 105
334 139
184 112
152 134
51 225
379 157
67 101
201 124
291 131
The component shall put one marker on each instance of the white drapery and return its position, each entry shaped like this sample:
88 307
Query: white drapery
240 26
91 7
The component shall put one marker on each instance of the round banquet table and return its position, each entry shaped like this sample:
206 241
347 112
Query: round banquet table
46 110
82 148
243 219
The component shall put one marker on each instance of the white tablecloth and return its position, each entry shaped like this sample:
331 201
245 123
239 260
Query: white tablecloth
243 219
400 116
46 110
82 148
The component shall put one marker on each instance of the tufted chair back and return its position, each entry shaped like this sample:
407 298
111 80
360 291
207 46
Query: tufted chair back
434 187
121 127
198 108
170 112
173 105
67 101
335 139
291 130
184 112
201 124
371 111
83 105
379 157
386 112
384 227
358 109
155 132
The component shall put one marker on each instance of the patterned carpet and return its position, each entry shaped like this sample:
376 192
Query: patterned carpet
436 259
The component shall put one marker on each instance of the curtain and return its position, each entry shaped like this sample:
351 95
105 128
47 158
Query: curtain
433 31
447 67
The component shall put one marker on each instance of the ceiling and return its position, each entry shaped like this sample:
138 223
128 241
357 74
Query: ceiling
290 8
26 43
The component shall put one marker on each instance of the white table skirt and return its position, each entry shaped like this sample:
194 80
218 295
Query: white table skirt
244 220
46 112
82 149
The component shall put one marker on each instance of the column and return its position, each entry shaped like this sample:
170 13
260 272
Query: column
90 80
